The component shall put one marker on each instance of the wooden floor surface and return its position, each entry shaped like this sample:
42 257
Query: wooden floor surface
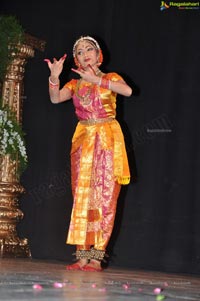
29 279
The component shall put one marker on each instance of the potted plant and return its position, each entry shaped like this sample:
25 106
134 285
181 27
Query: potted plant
11 135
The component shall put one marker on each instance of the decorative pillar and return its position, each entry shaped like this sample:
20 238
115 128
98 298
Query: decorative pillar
10 188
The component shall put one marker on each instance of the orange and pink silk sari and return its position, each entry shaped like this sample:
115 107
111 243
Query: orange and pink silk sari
99 165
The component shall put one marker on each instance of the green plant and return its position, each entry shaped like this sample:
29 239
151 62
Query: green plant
11 34
12 137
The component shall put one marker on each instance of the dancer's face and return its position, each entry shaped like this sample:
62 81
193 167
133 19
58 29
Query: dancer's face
86 54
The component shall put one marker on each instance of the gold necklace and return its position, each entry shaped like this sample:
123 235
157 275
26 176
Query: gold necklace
84 99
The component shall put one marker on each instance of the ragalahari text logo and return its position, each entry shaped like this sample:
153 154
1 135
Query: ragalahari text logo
180 5
164 5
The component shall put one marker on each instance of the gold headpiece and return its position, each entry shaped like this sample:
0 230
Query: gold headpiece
85 38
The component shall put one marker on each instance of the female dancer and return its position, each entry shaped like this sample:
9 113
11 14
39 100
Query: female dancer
99 164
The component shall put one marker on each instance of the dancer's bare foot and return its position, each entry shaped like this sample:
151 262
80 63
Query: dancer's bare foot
78 265
93 266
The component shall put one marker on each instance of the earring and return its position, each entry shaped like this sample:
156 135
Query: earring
100 59
77 62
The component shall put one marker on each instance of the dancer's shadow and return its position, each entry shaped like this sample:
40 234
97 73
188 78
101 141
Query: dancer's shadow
133 171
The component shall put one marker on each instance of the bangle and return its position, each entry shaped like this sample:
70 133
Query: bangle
99 83
104 83
51 83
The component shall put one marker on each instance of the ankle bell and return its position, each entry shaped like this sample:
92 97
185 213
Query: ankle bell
82 254
97 254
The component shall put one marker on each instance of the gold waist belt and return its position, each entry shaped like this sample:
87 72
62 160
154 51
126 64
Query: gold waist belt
93 121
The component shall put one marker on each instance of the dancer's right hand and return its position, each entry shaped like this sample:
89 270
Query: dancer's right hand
57 66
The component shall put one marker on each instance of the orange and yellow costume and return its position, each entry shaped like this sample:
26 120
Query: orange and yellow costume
99 164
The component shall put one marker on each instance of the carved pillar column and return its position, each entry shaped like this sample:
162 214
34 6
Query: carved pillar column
10 188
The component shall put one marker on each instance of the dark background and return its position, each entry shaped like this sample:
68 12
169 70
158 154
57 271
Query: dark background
158 53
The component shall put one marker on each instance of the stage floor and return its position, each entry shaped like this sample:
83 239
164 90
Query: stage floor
30 279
